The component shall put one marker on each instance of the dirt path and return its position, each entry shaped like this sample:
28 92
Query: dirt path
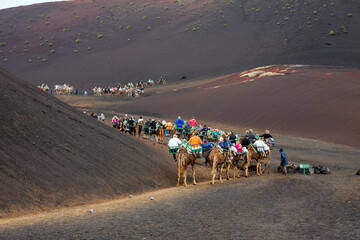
266 207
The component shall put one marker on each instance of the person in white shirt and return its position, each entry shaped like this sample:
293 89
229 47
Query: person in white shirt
260 145
174 144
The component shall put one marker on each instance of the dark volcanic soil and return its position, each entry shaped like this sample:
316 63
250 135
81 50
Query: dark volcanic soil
266 207
151 39
52 155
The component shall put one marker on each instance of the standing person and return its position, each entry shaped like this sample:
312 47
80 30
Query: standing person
140 124
174 144
284 161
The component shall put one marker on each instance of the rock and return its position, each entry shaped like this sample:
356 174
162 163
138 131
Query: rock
91 211
130 196
152 198
358 172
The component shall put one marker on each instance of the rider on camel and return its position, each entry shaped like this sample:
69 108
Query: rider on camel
207 146
193 122
179 122
174 144
195 142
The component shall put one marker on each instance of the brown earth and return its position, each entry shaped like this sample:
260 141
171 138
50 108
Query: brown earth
188 38
46 164
312 102
266 207
52 155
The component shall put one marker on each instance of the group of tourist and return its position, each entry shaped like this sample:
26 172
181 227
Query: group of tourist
59 89
200 138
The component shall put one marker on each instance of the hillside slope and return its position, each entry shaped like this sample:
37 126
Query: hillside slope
88 43
52 155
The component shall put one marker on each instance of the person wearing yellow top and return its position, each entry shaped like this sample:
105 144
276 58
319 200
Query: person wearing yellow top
168 128
195 142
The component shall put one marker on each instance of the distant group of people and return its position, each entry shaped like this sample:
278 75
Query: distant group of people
100 117
200 137
59 89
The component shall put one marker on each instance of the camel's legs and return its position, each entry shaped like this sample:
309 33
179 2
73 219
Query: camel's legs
220 173
184 178
193 171
179 175
213 173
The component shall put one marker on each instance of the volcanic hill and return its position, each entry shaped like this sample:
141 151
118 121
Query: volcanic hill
52 155
91 42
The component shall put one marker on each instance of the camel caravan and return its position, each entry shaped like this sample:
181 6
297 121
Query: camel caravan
129 90
58 89
190 141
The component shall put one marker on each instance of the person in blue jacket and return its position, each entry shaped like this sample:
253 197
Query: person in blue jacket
179 122
206 147
284 161
225 144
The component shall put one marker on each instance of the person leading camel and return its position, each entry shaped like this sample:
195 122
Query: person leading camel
284 161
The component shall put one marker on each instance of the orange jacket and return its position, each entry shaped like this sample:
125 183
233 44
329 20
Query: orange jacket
168 126
195 141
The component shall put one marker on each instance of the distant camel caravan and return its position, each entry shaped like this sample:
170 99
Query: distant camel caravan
227 149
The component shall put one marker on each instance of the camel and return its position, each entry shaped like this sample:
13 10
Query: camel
184 159
235 162
252 154
267 160
133 129
216 158
159 134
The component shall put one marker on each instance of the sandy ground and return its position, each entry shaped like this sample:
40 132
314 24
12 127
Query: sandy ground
265 207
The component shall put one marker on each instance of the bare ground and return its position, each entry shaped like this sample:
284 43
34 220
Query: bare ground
266 207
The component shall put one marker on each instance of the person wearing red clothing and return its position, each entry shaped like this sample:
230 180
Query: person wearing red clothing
193 122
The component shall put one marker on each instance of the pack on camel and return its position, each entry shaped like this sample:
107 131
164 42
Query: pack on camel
217 160
253 154
184 159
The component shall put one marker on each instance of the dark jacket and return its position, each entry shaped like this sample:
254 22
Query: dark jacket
232 138
251 136
245 142
284 160
266 136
